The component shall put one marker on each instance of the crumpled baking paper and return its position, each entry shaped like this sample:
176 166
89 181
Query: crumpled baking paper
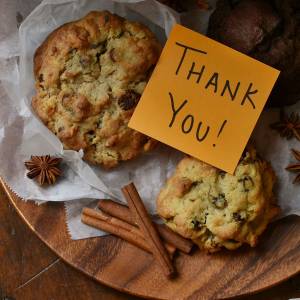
22 134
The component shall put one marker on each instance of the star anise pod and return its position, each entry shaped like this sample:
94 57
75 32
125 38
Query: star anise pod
288 126
45 168
296 166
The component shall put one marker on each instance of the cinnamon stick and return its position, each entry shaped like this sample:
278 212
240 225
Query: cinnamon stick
123 213
145 224
113 221
126 231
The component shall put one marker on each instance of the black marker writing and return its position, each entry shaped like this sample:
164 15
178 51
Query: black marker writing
187 119
247 96
221 129
192 72
213 81
201 139
174 110
228 87
186 48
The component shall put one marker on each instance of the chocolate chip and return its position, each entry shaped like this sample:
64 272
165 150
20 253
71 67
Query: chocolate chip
205 218
129 100
247 182
91 135
98 56
41 78
222 174
94 46
196 224
237 217
220 201
101 51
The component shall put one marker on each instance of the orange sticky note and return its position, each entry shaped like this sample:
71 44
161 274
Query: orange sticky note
204 98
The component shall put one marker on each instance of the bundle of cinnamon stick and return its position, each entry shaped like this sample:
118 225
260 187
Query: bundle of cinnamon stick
133 224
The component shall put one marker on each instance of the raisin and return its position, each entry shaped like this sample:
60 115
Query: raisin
41 78
205 218
222 174
238 217
90 135
95 45
98 57
196 224
129 100
101 51
220 201
247 182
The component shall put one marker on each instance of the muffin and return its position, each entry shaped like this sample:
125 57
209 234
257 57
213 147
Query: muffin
216 209
89 77
267 30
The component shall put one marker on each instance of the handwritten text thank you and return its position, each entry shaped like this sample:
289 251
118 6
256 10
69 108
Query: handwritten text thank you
204 98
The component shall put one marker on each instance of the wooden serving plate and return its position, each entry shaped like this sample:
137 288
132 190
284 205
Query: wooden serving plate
117 264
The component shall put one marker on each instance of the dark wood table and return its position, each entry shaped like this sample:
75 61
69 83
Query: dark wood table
29 270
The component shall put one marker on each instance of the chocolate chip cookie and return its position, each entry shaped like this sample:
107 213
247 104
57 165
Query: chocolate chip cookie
89 76
216 209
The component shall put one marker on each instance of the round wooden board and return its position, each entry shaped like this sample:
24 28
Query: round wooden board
119 265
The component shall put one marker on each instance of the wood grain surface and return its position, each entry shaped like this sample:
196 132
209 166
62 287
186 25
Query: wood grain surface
126 268
29 270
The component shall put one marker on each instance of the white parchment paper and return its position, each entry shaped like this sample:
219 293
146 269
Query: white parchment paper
22 134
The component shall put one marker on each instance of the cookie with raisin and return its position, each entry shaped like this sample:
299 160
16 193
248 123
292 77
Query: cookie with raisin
90 75
218 210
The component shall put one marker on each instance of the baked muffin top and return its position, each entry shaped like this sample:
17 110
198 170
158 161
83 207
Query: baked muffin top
216 209
89 77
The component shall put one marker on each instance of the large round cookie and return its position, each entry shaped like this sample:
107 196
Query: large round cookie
216 209
89 77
